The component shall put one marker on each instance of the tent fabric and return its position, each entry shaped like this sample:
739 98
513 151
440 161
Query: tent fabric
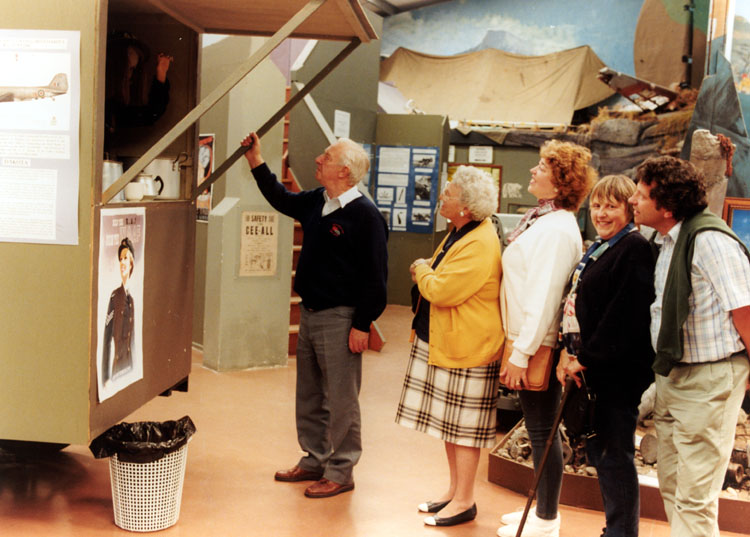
497 86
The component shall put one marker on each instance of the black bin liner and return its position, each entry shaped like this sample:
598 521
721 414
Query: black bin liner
143 441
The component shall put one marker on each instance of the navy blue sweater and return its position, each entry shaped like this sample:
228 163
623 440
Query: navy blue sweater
613 310
344 259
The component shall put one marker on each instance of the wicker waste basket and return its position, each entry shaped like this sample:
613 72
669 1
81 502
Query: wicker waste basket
147 496
147 471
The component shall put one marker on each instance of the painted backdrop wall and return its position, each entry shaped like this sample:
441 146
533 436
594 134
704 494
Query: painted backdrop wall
519 26
740 56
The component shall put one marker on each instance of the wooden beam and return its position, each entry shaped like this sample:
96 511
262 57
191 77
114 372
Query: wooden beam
291 103
317 115
206 104
352 12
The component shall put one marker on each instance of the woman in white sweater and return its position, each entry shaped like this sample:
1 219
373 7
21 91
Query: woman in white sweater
543 251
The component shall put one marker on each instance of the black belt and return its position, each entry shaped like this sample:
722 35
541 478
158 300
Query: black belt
314 310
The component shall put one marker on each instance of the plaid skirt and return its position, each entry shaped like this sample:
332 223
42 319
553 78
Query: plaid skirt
456 405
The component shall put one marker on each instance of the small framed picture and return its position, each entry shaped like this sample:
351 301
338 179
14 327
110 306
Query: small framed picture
495 170
737 216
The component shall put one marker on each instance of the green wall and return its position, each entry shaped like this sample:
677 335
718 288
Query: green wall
245 319
217 62
517 163
46 289
403 246
351 87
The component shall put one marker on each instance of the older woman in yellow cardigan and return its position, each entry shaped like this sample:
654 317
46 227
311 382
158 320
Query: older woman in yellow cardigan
451 385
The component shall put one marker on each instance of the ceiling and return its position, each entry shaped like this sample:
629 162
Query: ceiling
335 19
386 8
264 17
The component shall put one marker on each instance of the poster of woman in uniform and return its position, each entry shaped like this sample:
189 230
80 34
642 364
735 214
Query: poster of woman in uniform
119 348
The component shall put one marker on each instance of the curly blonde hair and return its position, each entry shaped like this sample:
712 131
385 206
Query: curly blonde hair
478 191
571 174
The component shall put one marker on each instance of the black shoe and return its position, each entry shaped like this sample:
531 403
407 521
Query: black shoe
467 516
432 507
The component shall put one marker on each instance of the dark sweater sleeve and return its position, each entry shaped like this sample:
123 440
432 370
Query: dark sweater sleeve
292 204
158 99
372 259
615 331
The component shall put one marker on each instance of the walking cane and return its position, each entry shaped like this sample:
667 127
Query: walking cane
569 382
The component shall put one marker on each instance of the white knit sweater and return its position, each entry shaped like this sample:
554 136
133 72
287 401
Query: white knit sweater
536 269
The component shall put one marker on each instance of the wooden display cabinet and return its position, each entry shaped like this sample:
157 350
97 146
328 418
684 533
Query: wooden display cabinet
48 378
48 386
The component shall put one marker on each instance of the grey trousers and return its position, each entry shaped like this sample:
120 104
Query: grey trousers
329 377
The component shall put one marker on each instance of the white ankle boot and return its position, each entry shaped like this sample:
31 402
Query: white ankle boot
516 516
534 527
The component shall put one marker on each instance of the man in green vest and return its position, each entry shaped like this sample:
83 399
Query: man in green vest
700 330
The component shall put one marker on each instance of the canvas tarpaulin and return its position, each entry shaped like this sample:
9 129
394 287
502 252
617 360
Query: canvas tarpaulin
492 85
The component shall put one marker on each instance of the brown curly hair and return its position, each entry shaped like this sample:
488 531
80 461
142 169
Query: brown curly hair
571 174
676 185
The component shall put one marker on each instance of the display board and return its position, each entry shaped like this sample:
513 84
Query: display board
39 123
406 187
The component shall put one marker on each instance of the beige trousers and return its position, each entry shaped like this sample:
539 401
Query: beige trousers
695 415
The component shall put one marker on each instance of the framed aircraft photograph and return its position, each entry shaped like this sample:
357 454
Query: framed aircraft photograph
737 216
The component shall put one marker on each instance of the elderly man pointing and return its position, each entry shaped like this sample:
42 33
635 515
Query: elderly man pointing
341 278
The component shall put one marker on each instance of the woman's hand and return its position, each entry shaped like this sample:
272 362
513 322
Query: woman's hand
569 366
561 365
573 368
514 377
413 268
163 62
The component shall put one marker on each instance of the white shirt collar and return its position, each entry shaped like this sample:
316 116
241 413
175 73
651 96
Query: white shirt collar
331 204
673 233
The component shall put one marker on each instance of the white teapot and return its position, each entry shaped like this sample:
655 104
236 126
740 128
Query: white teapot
150 188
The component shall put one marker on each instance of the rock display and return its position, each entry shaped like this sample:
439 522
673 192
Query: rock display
618 144
517 448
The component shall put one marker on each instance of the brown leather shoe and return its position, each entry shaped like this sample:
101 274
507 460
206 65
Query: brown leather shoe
325 488
297 474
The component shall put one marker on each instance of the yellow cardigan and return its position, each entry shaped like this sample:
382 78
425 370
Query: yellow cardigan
464 290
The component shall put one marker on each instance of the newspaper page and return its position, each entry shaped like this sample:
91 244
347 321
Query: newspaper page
259 243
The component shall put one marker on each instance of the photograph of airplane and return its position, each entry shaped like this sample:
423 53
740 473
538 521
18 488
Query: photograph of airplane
58 86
